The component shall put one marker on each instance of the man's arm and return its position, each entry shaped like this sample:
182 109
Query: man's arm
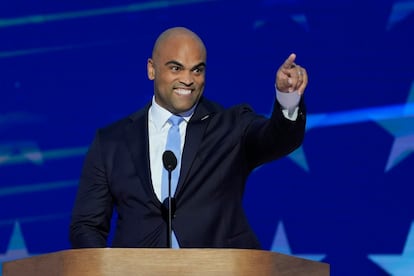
92 211
268 140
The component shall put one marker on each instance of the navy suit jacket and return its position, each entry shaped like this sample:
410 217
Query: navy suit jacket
222 147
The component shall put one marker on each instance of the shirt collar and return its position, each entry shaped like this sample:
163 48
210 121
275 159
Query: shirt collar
160 115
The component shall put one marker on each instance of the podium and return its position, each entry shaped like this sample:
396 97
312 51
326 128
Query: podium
134 261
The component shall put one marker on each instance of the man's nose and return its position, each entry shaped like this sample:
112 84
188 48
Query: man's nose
186 78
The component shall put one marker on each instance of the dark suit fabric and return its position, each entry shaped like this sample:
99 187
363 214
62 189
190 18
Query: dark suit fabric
222 147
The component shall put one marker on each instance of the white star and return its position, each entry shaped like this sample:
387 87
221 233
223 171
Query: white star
400 11
401 148
281 245
298 156
17 247
402 128
398 264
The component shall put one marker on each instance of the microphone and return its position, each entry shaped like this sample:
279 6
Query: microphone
169 160
170 163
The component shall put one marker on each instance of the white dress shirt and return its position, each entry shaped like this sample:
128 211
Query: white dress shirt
158 127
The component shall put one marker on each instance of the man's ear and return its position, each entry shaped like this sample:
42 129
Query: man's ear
150 69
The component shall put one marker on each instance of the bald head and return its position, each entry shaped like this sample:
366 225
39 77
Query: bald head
176 34
177 67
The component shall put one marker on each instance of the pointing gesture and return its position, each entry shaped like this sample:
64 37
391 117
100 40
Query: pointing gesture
291 77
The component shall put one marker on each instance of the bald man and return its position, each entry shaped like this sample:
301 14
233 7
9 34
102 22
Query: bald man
218 149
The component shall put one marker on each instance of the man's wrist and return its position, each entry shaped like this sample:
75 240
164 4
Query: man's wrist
289 102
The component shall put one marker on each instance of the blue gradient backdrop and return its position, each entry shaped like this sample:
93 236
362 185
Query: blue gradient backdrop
345 197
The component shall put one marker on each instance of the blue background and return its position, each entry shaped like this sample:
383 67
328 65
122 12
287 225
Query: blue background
345 197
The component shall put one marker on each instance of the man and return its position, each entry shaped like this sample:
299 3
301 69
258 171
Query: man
218 149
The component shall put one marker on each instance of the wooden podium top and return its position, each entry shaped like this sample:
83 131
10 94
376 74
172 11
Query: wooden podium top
134 261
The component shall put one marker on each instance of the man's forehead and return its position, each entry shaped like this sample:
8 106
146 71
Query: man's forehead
178 55
191 65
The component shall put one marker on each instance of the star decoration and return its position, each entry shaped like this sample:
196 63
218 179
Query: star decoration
281 245
298 156
17 247
402 128
398 264
400 10
398 120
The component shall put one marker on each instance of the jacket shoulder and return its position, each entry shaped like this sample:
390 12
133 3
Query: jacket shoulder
117 127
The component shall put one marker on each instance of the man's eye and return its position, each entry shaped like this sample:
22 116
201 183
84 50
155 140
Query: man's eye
198 70
175 68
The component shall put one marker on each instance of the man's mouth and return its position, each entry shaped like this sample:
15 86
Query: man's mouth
182 91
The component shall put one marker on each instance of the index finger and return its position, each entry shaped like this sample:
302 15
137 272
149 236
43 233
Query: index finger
289 62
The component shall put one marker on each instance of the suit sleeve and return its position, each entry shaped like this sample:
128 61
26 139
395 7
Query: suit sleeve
92 212
273 138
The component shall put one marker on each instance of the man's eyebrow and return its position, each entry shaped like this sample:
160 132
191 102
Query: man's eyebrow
173 62
201 64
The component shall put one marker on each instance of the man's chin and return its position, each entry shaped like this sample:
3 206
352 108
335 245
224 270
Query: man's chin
183 108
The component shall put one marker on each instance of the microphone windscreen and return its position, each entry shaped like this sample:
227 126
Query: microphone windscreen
169 160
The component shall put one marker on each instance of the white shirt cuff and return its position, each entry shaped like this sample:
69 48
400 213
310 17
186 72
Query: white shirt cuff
289 103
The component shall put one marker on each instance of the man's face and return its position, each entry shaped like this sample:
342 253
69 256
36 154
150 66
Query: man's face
178 71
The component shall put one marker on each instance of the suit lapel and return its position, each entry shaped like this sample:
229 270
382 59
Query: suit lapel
137 140
194 135
138 144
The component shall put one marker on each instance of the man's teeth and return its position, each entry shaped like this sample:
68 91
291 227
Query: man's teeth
183 91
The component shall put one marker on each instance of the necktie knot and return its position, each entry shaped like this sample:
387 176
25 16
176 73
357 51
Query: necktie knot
175 120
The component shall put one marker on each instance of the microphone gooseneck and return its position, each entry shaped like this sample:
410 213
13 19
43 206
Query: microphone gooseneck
170 163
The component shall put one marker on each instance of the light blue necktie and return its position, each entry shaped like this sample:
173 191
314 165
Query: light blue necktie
174 145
